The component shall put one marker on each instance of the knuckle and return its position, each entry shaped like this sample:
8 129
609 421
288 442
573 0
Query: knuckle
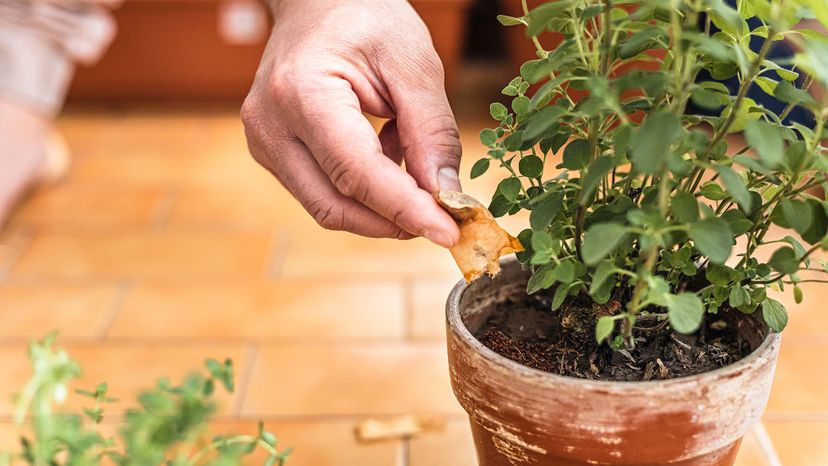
327 215
344 177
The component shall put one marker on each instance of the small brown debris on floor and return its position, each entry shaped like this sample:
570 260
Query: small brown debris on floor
371 430
482 241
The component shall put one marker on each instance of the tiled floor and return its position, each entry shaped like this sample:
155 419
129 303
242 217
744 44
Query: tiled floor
167 244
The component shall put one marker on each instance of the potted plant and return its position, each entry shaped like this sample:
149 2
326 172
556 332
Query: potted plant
637 326
168 426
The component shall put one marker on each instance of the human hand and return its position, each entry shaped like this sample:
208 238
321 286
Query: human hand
327 61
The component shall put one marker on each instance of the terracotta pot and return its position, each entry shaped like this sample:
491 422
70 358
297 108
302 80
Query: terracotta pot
522 416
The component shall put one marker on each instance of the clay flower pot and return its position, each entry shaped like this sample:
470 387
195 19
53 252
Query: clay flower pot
522 416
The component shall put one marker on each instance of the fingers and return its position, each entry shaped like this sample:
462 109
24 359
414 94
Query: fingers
390 142
291 163
425 123
349 152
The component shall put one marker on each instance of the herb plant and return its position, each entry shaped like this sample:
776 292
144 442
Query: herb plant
651 201
168 427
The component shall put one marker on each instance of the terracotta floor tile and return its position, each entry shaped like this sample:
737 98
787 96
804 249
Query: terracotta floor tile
320 253
287 309
319 443
750 453
181 253
800 443
34 309
266 206
428 303
451 447
13 242
128 369
75 206
350 379
807 319
799 384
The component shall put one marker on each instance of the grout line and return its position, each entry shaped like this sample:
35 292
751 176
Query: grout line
163 208
766 445
276 254
250 355
793 416
114 309
405 451
18 244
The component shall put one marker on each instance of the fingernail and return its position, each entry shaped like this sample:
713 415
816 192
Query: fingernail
448 180
438 238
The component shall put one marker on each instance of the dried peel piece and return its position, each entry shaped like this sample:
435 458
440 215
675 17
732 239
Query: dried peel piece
482 241
370 430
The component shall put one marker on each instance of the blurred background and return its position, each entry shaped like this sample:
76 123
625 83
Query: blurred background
165 243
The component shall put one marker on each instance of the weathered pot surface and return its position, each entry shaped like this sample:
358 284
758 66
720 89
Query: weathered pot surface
522 416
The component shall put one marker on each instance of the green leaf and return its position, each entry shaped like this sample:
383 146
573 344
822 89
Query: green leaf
798 249
737 221
774 314
784 261
545 210
488 137
766 140
640 41
819 222
685 311
713 191
604 328
500 206
542 122
531 166
498 111
738 296
564 272
735 186
521 104
577 154
787 92
509 188
596 172
726 18
797 213
479 168
603 273
541 279
708 99
653 140
539 17
561 292
600 240
712 237
509 20
685 207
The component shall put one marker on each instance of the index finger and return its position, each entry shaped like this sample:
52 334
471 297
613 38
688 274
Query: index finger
348 150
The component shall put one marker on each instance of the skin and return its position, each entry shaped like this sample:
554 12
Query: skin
326 63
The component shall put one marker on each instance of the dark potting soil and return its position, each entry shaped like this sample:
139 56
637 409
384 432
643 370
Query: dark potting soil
526 330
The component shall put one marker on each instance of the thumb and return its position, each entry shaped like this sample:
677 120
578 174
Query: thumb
427 130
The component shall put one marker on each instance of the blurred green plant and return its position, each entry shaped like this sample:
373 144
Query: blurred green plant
650 201
169 426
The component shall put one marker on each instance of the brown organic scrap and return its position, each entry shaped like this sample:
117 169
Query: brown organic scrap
370 430
482 241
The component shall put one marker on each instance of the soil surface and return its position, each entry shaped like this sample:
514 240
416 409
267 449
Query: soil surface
526 330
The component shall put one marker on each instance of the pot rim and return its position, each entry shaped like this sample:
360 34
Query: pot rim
757 358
